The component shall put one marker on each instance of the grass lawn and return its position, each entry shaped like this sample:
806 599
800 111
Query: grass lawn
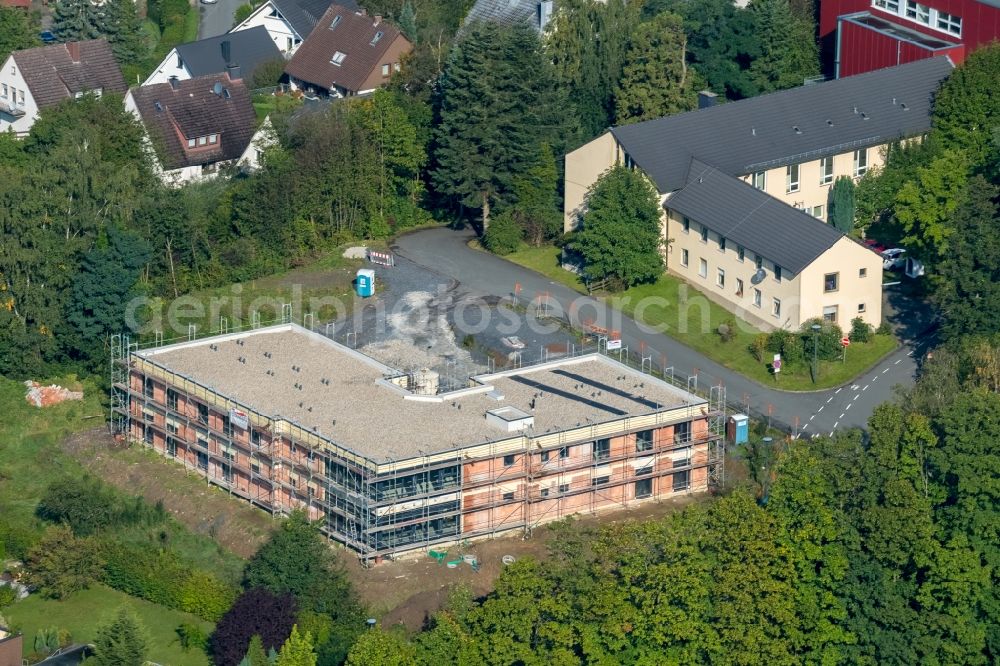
85 611
696 322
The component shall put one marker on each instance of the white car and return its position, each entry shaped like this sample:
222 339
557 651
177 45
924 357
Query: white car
513 342
893 258
209 2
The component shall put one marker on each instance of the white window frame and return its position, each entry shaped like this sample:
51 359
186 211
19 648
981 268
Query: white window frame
385 69
831 309
862 308
791 178
948 23
817 211
192 143
759 180
703 268
917 12
776 308
860 165
739 287
826 170
720 278
4 95
338 58
757 297
684 257
213 139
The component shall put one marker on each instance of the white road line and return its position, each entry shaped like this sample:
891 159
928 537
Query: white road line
831 432
856 397
805 426
828 401
839 390
841 416
849 405
866 387
875 378
897 361
885 371
811 418
821 408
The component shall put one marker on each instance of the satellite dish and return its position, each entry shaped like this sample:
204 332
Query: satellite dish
759 276
217 88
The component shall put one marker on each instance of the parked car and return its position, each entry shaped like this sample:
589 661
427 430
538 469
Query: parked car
47 37
893 258
513 342
875 246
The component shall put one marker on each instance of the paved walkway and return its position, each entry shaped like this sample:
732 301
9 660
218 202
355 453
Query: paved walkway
446 252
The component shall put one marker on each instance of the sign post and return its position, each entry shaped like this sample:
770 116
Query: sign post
845 342
776 363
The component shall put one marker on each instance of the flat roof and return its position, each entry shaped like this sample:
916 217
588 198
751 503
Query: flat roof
288 372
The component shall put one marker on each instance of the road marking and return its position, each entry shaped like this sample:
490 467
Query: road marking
822 407
841 416
805 426
897 361
831 432
885 371
875 378
866 387
856 397
811 418
829 400
839 390
848 406
854 387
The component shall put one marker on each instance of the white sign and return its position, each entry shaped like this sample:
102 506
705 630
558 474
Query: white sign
239 418
614 344
776 364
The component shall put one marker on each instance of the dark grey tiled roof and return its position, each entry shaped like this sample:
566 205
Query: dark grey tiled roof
747 216
303 15
760 132
247 48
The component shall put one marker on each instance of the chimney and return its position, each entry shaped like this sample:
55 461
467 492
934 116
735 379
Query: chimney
226 51
378 19
73 48
174 82
233 72
706 98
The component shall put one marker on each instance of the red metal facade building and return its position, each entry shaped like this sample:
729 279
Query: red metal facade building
859 36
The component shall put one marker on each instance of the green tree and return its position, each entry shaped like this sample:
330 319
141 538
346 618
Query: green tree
967 286
620 238
841 204
61 564
787 52
408 21
925 205
122 641
297 650
17 31
119 22
75 20
587 42
256 656
656 80
504 235
381 648
536 198
966 110
496 106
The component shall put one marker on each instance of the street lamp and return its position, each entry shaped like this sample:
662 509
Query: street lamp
815 328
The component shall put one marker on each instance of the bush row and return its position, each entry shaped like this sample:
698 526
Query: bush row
799 346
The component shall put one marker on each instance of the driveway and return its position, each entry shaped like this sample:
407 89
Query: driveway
217 19
446 252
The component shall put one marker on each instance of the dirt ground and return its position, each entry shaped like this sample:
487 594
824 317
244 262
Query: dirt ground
204 509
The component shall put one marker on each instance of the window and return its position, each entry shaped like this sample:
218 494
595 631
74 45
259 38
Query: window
642 471
702 268
756 298
860 162
739 287
338 58
918 12
862 308
759 180
385 70
720 278
171 447
147 388
826 171
758 261
563 488
227 473
213 139
686 223
777 273
335 22
684 257
508 460
203 414
862 272
147 434
395 66
740 253
255 468
888 5
643 488
817 212
376 38
3 91
227 426
830 314
792 178
704 234
682 432
255 437
289 43
545 456
683 461
20 97
949 23
600 481
564 452
180 63
192 142
776 308
508 497
644 441
202 140
602 449
172 399
722 243
831 282
544 492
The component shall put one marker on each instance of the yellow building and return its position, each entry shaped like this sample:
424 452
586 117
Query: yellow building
745 190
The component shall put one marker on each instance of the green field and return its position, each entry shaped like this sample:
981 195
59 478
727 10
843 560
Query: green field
683 313
86 610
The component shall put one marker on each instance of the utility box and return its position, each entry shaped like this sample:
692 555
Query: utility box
739 428
364 284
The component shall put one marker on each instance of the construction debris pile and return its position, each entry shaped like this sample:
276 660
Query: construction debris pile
45 396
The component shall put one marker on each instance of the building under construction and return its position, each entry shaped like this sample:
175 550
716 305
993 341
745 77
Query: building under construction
287 418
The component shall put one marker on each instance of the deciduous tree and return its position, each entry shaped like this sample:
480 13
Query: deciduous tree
256 612
61 564
17 31
966 108
925 205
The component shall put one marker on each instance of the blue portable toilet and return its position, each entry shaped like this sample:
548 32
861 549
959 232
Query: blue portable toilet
739 428
364 285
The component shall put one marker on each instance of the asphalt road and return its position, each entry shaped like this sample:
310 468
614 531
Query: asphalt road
446 252
217 18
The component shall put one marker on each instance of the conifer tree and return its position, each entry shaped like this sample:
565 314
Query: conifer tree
656 80
118 21
75 20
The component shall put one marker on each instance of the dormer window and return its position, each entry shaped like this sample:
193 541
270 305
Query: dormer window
274 14
335 22
202 141
338 58
378 36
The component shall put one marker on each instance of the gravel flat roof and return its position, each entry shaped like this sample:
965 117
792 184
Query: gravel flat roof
345 398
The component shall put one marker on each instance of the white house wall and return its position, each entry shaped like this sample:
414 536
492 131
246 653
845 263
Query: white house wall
277 27
11 75
168 68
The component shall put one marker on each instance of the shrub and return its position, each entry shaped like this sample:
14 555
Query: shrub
7 596
786 343
87 506
192 637
256 611
759 345
206 596
860 331
155 576
504 234
727 330
884 329
828 347
243 12
61 564
267 73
